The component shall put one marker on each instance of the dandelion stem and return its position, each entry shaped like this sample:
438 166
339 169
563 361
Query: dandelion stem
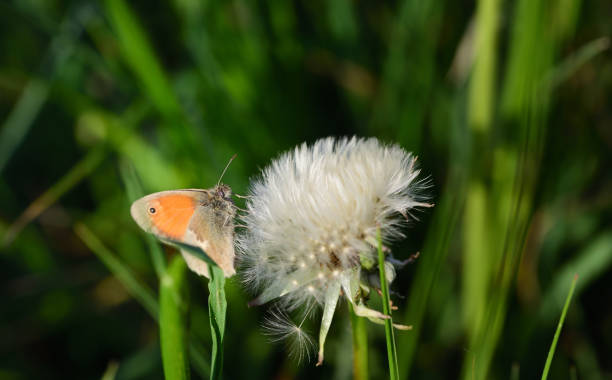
390 338
360 346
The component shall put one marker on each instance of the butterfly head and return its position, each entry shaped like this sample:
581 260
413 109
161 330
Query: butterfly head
223 191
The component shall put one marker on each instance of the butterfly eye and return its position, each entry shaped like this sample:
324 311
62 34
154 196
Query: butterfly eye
152 210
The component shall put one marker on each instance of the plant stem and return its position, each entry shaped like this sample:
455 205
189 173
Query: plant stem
553 346
389 336
360 346
173 316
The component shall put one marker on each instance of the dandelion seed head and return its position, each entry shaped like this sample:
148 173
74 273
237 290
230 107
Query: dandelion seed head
315 211
316 208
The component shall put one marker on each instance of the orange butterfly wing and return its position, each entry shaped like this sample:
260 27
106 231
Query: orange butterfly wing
170 214
166 214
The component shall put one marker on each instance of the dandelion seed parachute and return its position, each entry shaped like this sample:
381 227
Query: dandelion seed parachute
312 218
278 326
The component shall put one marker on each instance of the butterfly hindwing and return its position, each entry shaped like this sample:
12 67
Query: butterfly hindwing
212 228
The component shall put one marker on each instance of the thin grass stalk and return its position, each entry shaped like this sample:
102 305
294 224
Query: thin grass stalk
78 172
122 272
389 334
553 346
360 346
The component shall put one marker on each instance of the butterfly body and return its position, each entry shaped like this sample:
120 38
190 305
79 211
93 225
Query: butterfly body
203 218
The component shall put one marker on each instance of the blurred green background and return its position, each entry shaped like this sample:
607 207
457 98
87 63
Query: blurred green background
506 103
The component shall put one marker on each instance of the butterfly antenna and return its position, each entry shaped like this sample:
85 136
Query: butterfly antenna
226 166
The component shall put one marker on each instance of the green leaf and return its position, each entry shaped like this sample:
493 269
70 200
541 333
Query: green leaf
173 318
217 306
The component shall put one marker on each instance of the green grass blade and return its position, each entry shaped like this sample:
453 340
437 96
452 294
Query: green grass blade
36 91
145 296
122 272
590 263
198 359
134 191
360 346
139 54
81 170
553 346
574 62
482 85
152 168
436 247
173 319
412 48
20 119
111 371
217 306
389 334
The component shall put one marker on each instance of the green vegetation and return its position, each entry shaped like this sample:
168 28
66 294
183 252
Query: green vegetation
505 103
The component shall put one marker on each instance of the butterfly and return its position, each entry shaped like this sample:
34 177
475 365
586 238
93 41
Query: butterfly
202 218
